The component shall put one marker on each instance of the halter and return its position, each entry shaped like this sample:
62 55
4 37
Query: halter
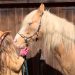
35 33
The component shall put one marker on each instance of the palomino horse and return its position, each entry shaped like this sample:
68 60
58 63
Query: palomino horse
55 36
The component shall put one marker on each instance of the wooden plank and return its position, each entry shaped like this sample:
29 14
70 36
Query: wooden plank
18 14
11 20
0 20
3 24
74 16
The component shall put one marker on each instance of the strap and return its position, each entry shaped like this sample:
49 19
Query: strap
25 67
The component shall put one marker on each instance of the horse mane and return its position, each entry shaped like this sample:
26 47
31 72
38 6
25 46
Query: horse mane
56 31
59 25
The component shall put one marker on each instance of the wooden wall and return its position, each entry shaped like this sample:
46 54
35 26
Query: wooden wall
11 19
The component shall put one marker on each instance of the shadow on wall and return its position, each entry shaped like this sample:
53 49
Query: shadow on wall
39 67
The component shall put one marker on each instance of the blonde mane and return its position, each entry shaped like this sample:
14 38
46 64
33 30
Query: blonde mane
59 25
58 28
56 31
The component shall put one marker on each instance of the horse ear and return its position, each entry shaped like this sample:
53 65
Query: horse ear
41 8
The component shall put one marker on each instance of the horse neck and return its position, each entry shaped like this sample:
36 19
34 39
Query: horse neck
47 23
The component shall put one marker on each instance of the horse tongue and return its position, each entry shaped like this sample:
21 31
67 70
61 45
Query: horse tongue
24 51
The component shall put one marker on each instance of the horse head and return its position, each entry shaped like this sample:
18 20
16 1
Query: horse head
31 28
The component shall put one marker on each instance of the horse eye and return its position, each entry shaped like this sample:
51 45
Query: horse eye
30 23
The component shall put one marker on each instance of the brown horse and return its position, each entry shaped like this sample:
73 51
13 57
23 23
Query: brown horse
55 36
